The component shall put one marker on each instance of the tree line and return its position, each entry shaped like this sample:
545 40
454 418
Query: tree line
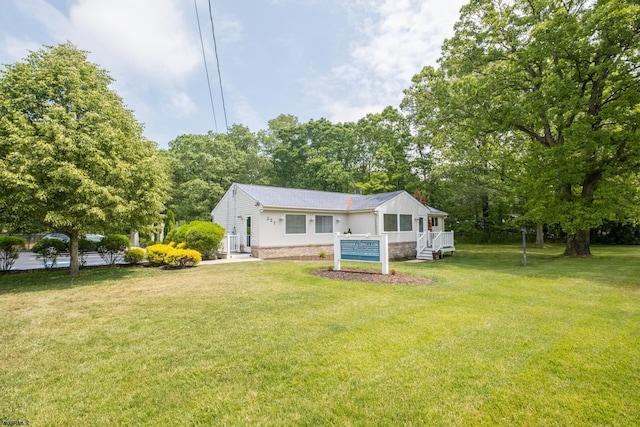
530 119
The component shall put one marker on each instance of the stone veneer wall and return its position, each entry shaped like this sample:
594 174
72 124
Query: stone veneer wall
395 250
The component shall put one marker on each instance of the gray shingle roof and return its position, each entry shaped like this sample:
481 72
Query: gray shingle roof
276 197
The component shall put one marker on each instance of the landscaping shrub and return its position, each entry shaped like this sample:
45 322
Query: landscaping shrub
112 247
134 255
169 226
48 251
84 247
156 253
172 255
179 258
203 236
10 247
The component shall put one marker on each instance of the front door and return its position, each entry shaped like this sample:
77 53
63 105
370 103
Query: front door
248 242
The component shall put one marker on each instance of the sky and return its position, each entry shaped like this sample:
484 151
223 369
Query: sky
333 59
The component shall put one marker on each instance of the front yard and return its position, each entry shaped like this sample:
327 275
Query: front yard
266 343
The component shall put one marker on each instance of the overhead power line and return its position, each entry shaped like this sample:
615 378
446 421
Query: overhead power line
206 68
215 48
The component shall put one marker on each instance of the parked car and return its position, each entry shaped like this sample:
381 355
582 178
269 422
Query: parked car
58 236
94 237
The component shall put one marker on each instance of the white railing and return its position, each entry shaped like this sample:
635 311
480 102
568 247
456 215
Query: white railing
231 243
442 239
422 241
435 240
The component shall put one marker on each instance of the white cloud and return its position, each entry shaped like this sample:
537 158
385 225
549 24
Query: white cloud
398 38
51 18
147 37
150 38
181 104
17 49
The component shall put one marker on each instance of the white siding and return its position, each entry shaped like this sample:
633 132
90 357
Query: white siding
273 232
363 223
403 204
232 212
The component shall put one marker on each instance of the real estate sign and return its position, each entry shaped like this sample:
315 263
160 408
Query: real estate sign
361 247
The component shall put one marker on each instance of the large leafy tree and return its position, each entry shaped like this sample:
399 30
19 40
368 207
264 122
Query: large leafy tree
204 166
317 155
72 157
386 154
558 83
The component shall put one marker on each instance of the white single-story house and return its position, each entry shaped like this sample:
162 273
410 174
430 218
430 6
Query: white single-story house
272 222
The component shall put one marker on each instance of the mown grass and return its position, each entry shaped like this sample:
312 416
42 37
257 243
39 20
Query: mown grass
489 343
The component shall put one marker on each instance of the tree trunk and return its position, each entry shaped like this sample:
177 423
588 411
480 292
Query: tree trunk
539 236
578 244
74 262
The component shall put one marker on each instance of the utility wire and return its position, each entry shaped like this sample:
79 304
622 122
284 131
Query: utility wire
206 68
215 48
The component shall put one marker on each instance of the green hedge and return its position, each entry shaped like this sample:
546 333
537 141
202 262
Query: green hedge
10 247
202 236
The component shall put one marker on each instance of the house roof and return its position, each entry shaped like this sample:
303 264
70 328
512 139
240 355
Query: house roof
435 211
294 198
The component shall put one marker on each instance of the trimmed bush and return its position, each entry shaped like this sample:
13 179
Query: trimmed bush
180 258
203 236
156 253
134 255
112 247
172 255
84 247
10 247
48 251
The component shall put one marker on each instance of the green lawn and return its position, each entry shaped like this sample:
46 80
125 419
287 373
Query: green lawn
265 343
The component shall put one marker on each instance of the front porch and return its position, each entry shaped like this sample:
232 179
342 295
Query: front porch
233 245
433 245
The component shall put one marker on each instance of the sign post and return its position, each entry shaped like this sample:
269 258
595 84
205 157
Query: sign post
524 246
361 247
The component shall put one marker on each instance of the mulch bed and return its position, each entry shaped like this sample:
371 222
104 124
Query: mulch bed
359 274
372 276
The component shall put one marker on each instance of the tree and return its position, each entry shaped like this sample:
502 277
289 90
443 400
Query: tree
204 166
169 222
72 157
558 82
384 147
317 155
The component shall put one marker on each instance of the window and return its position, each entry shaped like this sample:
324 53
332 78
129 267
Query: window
295 224
406 222
421 225
434 221
324 224
390 222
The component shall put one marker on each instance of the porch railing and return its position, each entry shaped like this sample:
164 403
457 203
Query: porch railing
231 243
435 240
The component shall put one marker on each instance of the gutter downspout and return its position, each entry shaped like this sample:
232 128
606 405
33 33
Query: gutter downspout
376 221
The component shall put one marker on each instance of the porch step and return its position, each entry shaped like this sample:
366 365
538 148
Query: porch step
429 255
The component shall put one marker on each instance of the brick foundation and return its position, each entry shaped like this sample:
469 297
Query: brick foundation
396 250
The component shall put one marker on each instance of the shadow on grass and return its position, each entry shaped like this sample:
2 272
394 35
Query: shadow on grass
60 279
613 265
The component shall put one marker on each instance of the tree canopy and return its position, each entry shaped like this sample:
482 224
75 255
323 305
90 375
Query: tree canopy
548 93
72 157
204 166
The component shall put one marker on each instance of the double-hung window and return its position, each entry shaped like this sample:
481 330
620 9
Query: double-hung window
324 224
295 224
406 222
390 222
